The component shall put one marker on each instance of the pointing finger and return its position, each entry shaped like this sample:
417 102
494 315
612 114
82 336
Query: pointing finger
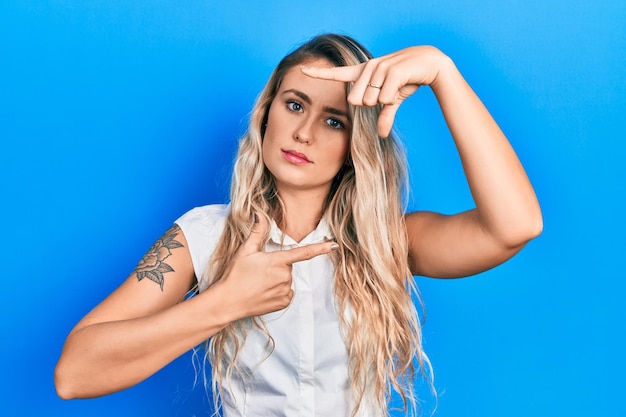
303 253
345 74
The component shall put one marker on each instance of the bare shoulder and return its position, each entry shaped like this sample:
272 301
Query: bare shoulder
161 279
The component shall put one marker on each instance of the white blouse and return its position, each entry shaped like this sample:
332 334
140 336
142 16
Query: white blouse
307 373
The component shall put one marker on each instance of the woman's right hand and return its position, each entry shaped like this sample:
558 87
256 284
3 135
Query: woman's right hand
258 282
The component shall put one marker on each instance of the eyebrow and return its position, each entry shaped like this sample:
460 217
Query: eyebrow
307 99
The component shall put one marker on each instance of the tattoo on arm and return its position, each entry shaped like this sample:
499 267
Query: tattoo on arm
153 265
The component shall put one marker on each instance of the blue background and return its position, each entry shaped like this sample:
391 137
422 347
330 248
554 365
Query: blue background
117 116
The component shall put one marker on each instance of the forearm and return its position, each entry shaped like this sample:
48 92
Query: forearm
107 357
506 203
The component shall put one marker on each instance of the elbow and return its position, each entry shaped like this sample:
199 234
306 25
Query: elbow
533 226
523 231
64 384
62 387
515 231
63 393
536 228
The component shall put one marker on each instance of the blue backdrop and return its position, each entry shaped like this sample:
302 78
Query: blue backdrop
118 116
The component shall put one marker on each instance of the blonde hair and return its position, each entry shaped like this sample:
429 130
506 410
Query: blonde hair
364 210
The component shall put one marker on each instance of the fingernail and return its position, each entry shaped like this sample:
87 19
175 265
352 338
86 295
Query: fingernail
334 246
256 218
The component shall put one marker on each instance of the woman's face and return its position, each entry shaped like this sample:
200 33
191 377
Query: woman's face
307 136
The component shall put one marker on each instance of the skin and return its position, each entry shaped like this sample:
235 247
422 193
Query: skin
308 116
144 325
507 213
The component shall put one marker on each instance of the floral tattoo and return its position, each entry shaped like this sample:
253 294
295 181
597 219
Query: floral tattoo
152 266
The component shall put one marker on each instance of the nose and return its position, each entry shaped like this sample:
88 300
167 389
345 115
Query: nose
304 132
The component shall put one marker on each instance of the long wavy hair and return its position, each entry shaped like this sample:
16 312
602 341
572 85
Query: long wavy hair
364 210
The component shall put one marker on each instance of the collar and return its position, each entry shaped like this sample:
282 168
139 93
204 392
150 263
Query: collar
320 234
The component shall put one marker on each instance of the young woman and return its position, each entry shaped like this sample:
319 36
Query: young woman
304 280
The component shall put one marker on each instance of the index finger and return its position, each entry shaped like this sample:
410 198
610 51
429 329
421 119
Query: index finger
291 256
345 74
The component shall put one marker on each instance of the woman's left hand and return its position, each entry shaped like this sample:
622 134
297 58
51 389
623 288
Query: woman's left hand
387 80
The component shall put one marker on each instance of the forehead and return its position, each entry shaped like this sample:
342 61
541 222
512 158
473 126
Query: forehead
323 92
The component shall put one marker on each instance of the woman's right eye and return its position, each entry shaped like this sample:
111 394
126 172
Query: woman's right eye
294 106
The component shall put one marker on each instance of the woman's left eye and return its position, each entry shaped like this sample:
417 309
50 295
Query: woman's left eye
294 106
335 123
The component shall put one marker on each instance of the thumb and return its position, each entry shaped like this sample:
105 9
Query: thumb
257 235
388 112
386 118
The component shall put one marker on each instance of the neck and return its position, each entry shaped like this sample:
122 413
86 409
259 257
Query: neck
303 211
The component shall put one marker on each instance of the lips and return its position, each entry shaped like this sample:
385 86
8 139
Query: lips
295 157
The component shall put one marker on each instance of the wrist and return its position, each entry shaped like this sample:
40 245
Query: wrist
446 72
219 305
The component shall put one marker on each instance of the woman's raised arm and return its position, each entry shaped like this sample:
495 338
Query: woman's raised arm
507 213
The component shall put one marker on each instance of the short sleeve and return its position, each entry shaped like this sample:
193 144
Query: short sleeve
202 227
